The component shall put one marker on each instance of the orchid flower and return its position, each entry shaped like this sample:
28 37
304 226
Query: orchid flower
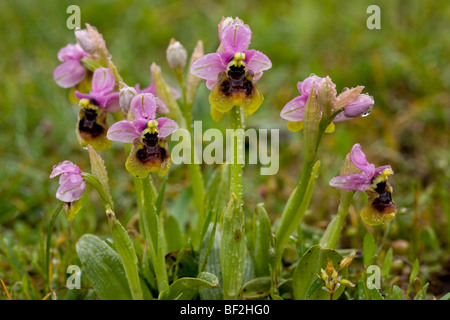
353 103
147 133
102 93
232 72
71 71
365 179
373 181
92 125
71 183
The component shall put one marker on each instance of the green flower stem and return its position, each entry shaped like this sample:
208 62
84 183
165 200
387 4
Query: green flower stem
195 173
314 130
49 242
233 246
237 122
297 204
153 233
331 236
232 249
104 196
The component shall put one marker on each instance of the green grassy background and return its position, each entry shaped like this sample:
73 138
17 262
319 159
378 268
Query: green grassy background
404 66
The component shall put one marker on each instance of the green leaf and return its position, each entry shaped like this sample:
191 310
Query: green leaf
296 206
186 288
263 240
387 263
207 244
397 293
249 268
103 268
422 292
368 249
127 253
414 271
173 233
217 186
160 198
213 265
305 284
376 295
256 288
98 169
232 249
445 297
360 289
285 289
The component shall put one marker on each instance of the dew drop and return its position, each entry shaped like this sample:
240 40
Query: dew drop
85 148
312 75
365 114
344 89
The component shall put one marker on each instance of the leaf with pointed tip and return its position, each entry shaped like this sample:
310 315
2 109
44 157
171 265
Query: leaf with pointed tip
99 170
103 268
186 288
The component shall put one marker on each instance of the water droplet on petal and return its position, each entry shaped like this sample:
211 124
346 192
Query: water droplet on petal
365 114
344 89
85 148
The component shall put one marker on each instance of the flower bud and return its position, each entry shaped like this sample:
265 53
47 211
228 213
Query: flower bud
347 260
193 81
225 22
84 40
176 55
126 95
327 96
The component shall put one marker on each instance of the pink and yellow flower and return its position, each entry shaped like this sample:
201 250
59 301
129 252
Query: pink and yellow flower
232 72
352 101
373 181
147 133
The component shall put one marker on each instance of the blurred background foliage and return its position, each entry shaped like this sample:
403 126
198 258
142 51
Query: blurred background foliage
404 66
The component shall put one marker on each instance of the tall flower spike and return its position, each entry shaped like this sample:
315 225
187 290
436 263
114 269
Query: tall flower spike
380 207
147 133
353 103
232 72
71 71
